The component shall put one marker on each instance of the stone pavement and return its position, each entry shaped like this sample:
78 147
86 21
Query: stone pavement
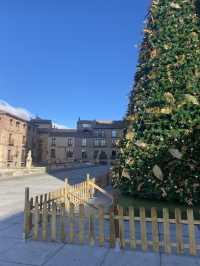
15 251
12 189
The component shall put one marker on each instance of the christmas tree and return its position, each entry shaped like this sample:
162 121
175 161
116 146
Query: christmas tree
160 153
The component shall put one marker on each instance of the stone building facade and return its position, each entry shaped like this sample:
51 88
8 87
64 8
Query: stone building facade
15 140
62 146
42 144
92 142
97 141
54 146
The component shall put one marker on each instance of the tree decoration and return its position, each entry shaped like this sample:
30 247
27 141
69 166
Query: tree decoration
191 99
159 155
176 153
158 172
175 5
169 98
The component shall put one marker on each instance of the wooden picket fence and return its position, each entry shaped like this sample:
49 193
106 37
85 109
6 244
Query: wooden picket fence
53 219
76 194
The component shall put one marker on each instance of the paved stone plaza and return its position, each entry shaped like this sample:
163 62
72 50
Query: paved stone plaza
15 251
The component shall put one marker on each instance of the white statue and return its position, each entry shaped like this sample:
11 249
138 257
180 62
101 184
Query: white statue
29 160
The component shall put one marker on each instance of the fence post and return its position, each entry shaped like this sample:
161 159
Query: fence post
166 228
36 220
101 225
62 223
81 223
66 194
132 227
112 227
53 222
116 221
44 220
117 231
84 190
191 231
154 218
179 238
88 186
27 215
93 189
143 229
121 227
40 208
71 222
91 227
31 214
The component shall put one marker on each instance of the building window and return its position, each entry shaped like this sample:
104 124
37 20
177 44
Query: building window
23 157
16 154
69 154
53 153
53 141
99 142
103 142
103 155
95 155
69 142
114 155
10 140
11 122
17 124
84 142
99 133
23 140
96 142
84 155
114 142
10 159
86 125
114 133
24 125
102 134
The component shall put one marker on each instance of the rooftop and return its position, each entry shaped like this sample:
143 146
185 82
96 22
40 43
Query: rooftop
41 121
13 116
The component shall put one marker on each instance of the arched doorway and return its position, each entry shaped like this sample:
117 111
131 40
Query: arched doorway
103 158
84 155
113 155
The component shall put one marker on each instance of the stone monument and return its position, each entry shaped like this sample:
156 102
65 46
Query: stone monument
29 160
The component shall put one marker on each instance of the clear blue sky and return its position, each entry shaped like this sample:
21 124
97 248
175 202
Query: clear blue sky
62 59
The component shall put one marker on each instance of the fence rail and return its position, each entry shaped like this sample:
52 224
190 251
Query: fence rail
55 218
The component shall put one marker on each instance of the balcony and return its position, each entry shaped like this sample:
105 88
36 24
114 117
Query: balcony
100 143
